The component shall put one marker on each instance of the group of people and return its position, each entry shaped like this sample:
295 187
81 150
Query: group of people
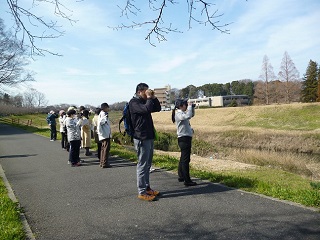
77 130
143 103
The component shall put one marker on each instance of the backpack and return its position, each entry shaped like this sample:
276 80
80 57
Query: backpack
126 119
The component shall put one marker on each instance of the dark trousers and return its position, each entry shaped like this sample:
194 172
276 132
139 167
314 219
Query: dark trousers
74 151
184 168
104 153
99 149
53 129
64 140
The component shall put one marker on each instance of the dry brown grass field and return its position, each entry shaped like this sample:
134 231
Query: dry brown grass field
284 136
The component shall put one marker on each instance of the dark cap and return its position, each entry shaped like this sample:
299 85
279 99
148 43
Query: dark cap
180 102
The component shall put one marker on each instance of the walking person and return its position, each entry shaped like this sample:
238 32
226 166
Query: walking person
63 130
104 134
181 115
95 130
51 120
74 137
143 103
85 124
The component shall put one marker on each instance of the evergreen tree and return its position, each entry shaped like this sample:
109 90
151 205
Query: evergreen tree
242 87
310 83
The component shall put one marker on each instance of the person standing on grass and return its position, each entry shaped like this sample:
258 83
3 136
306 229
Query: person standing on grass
143 103
104 133
51 120
74 137
181 116
85 124
95 130
64 140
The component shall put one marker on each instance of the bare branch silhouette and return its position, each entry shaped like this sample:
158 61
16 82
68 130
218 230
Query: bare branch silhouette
52 29
159 30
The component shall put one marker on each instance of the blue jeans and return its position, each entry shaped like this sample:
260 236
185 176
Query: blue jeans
144 150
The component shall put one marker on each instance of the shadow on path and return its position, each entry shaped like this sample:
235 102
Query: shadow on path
19 156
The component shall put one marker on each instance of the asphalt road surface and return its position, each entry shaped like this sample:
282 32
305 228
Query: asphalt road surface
87 202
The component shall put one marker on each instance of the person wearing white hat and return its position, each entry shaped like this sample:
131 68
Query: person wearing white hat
51 120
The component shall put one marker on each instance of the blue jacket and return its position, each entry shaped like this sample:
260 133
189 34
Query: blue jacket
51 118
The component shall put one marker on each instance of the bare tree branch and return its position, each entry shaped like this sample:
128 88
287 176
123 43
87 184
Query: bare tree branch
200 11
52 29
159 31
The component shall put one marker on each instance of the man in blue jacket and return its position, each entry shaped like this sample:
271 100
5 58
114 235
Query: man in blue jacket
51 120
143 103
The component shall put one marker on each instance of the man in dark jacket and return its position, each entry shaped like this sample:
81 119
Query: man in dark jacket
141 106
51 120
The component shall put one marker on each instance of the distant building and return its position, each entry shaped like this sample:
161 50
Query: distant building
163 95
221 101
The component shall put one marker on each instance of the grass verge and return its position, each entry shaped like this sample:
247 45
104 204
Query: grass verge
10 224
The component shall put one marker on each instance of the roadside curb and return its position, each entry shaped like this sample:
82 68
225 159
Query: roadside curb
26 226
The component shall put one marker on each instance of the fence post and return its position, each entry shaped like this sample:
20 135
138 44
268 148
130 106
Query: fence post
30 122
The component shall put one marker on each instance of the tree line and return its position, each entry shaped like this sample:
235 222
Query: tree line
286 87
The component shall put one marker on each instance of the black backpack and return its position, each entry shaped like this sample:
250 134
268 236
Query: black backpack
126 119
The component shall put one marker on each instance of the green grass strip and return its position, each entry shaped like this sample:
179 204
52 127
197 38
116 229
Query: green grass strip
11 227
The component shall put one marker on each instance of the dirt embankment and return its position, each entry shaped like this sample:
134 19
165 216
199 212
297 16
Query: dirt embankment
231 127
211 164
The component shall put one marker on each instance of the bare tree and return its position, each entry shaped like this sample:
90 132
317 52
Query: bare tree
288 73
259 93
276 90
29 99
40 99
266 75
28 23
12 60
18 100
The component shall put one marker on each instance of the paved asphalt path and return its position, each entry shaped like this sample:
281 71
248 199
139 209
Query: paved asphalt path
87 202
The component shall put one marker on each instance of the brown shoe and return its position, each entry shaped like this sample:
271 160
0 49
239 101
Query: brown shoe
152 192
146 197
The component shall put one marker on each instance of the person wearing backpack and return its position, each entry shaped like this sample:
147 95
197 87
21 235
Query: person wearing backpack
104 133
143 103
181 115
51 120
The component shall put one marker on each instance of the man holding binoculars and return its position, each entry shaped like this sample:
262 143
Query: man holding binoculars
143 103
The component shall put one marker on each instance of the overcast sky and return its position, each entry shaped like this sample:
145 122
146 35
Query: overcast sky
103 65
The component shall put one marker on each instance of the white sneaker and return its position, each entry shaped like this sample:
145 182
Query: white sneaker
152 170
